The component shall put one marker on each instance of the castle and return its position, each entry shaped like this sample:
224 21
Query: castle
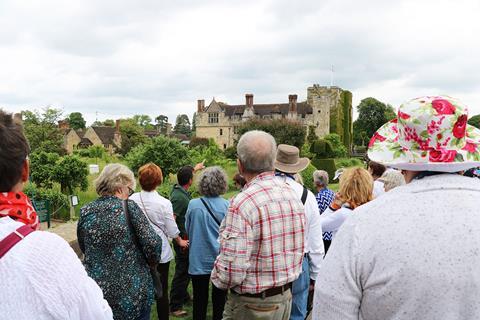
327 110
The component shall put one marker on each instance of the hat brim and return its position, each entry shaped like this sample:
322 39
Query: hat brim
301 165
387 150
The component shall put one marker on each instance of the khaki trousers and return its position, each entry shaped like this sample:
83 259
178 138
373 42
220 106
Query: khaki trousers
277 307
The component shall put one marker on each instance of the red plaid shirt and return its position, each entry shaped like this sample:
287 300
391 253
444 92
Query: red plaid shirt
261 238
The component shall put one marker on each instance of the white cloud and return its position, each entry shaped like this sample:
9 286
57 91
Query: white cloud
119 58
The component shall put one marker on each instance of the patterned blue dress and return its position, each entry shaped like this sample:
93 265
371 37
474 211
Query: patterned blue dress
113 259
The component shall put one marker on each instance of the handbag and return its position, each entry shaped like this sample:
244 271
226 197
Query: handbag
152 265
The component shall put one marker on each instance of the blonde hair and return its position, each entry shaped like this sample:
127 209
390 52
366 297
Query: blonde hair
356 187
113 177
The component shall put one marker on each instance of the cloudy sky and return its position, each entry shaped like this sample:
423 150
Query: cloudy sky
114 58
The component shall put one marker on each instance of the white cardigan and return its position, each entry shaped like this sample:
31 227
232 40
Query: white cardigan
413 253
42 278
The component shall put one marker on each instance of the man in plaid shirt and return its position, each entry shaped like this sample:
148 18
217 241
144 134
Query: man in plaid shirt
261 237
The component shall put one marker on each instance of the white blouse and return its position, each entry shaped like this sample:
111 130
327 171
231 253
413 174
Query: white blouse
159 212
332 220
41 277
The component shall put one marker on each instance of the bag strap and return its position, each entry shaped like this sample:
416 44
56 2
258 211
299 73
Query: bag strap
13 238
210 211
304 195
130 227
148 218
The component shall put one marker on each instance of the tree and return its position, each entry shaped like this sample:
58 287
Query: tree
162 122
182 125
71 172
42 131
143 121
372 114
475 121
284 131
76 121
132 135
165 152
96 152
42 166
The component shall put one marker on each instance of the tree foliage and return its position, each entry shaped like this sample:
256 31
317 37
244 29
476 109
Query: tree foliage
165 152
475 121
339 149
143 121
42 167
284 131
132 135
182 125
372 114
71 172
162 122
76 121
42 131
211 154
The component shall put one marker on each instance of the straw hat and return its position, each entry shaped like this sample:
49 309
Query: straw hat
429 134
288 159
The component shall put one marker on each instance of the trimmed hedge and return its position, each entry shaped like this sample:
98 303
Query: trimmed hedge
327 165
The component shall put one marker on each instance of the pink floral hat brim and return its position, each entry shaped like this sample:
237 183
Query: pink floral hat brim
430 133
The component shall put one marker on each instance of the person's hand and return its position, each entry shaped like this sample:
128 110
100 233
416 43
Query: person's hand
183 244
337 201
199 166
311 287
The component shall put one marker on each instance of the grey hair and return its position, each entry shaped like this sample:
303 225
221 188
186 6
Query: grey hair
212 182
257 151
320 177
392 179
113 177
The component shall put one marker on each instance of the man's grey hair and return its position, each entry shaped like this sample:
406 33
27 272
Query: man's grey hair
392 179
256 151
320 178
112 178
213 182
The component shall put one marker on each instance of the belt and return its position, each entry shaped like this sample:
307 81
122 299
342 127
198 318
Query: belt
267 293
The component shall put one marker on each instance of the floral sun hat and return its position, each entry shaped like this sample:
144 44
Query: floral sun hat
429 133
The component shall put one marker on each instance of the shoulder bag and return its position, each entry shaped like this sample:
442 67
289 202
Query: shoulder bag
152 265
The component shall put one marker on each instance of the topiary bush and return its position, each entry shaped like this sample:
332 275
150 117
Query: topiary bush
323 157
307 176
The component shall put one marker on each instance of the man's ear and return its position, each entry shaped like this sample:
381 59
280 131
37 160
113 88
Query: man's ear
25 171
240 167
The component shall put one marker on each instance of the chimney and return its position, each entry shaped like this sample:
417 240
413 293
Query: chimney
249 101
117 126
200 105
292 103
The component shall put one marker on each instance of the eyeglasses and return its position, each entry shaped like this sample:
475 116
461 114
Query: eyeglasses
130 191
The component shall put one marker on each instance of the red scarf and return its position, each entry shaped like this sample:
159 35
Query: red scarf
17 206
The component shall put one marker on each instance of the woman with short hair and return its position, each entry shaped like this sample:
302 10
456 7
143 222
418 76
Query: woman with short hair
203 219
118 247
159 212
41 277
355 189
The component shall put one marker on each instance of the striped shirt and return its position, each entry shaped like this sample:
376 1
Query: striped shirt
324 199
261 237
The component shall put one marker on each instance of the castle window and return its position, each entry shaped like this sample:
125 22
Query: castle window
319 111
303 115
213 118
221 131
224 146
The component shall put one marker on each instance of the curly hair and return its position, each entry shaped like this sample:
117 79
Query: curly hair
212 182
356 186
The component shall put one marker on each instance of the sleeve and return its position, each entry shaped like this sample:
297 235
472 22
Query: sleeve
231 265
64 288
149 240
315 242
170 224
338 292
188 218
332 220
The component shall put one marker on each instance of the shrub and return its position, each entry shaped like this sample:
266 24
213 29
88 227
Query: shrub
322 149
56 198
339 149
307 176
165 152
196 141
327 165
230 153
348 162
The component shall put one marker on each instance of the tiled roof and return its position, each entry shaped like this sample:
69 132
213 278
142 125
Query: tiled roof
106 134
86 142
266 109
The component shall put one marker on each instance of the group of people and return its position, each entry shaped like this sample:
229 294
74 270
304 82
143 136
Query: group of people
399 240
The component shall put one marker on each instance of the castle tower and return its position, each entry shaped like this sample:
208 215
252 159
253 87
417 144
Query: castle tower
249 112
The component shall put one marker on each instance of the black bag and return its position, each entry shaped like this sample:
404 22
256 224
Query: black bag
152 265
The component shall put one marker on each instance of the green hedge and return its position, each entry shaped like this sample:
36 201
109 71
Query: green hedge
327 165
